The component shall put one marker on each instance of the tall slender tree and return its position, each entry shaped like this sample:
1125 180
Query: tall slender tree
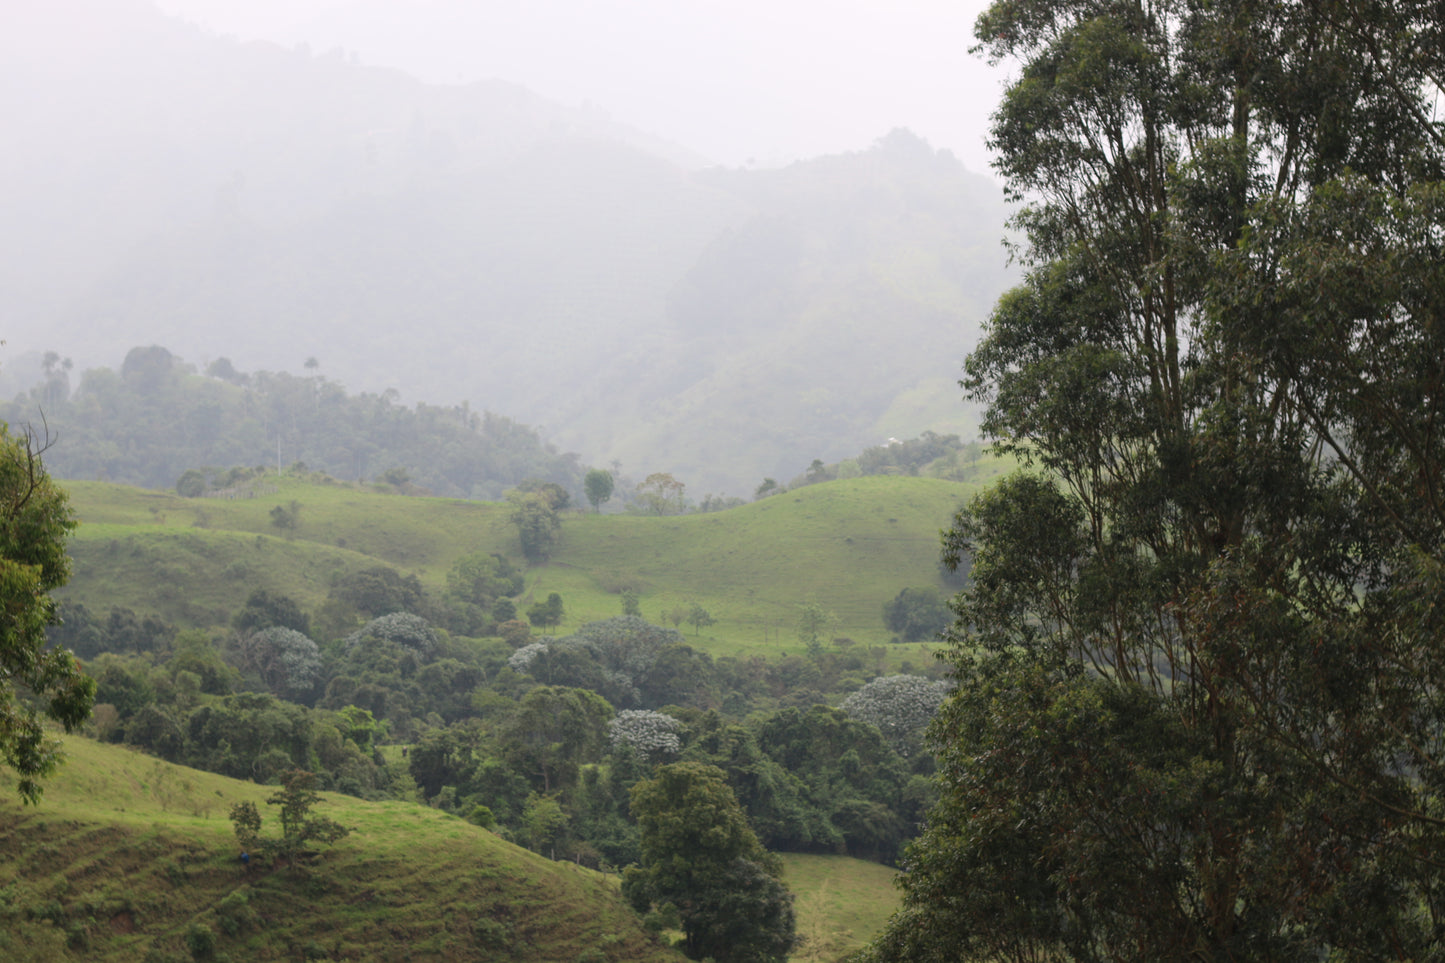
1197 713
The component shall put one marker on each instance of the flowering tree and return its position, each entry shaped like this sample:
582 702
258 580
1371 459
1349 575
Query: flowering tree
288 662
401 628
901 706
650 734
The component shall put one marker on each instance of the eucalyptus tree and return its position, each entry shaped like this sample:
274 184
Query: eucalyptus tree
1199 661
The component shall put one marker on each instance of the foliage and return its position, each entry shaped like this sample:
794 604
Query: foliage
287 662
543 823
650 734
400 629
379 590
814 621
246 823
299 826
913 456
553 495
522 659
700 856
157 424
548 614
191 484
264 610
851 780
287 518
1197 711
552 731
35 519
630 603
597 483
901 706
699 618
916 613
661 494
538 525
482 578
616 657
122 630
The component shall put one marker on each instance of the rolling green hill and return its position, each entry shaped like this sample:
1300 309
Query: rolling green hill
851 545
127 853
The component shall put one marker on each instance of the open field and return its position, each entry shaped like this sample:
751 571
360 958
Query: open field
851 545
841 903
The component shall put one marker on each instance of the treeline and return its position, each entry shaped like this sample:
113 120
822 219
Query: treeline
930 454
538 737
158 417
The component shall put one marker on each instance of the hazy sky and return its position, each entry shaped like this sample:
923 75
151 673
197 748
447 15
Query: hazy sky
739 81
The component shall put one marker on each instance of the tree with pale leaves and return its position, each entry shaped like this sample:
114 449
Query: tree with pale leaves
652 735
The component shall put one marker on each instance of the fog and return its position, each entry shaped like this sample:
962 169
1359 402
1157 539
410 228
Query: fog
720 239
765 82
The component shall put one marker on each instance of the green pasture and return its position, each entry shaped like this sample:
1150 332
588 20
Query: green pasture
850 545
841 903
126 855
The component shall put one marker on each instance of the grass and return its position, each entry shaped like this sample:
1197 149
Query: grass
841 903
127 855
851 545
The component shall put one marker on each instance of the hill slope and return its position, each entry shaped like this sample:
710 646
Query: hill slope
851 545
127 854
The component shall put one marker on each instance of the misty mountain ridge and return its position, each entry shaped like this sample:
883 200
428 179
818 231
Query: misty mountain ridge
479 243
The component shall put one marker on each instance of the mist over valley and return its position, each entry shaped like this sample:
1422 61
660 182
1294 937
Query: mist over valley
478 243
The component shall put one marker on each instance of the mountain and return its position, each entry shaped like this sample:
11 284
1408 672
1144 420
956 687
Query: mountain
480 243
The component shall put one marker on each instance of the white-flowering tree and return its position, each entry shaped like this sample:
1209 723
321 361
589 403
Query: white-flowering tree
287 662
901 706
522 659
652 735
402 628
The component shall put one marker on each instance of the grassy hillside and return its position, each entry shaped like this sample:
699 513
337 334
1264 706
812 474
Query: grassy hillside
851 545
127 854
841 903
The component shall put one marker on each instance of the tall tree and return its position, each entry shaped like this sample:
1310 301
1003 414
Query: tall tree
36 682
553 731
597 483
700 857
538 524
1197 712
661 494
